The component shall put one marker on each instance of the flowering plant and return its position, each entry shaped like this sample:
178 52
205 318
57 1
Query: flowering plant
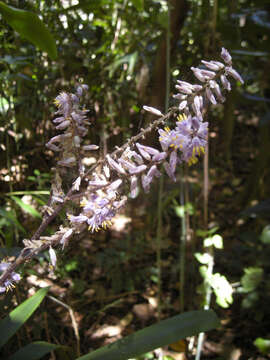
99 189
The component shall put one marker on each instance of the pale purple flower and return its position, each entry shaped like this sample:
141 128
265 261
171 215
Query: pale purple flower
114 165
146 151
63 103
173 161
138 169
169 171
9 283
153 172
179 96
146 182
159 157
66 237
197 105
63 125
234 74
182 105
76 184
114 185
183 88
197 87
69 162
137 157
133 186
208 74
211 65
197 72
226 84
53 147
216 89
153 110
98 182
226 56
210 96
127 164
53 257
218 63
58 120
77 219
90 147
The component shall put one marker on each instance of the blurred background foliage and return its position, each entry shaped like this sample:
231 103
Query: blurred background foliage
110 279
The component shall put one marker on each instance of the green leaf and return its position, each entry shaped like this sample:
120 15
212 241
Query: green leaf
217 241
252 278
25 207
203 258
29 26
263 345
30 192
207 242
129 59
222 289
265 235
139 4
12 322
34 351
158 335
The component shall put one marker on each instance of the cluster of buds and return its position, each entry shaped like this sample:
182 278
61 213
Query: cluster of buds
72 120
132 164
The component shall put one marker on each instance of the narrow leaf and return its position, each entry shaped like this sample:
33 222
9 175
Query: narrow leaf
12 322
11 218
158 335
25 207
35 350
29 26
29 192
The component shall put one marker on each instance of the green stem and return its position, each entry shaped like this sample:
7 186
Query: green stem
161 181
182 247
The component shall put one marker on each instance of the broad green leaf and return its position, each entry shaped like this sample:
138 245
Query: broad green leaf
263 345
179 211
207 242
29 26
12 322
265 235
252 278
203 258
35 350
222 289
217 241
25 207
158 335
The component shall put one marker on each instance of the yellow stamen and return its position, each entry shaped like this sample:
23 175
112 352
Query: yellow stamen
181 117
56 102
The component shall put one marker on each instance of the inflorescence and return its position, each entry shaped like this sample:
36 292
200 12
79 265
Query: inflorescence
134 164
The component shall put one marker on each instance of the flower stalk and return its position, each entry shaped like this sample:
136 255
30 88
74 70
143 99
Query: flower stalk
99 189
